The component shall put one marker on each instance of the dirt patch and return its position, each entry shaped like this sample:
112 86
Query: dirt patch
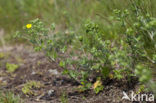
57 88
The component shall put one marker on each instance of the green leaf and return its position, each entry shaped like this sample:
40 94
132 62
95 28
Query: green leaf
62 64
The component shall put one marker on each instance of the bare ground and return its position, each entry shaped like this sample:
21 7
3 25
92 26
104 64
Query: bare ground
35 66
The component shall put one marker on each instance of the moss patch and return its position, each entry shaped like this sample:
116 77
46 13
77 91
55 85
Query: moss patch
11 67
2 55
28 87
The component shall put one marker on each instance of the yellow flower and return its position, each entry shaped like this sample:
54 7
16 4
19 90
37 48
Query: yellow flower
29 26
97 83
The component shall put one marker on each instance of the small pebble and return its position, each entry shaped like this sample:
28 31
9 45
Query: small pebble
33 73
53 71
51 93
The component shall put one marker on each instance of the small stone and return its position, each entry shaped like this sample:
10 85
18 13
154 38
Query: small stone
33 73
51 93
48 95
1 78
53 71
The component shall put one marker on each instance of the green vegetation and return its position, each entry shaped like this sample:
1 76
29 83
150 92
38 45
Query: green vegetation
68 15
64 98
93 40
2 55
8 97
11 67
29 86
129 50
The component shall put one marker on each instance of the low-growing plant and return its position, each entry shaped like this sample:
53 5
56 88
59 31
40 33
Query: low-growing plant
9 97
64 98
139 31
2 55
89 56
11 67
27 88
97 86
